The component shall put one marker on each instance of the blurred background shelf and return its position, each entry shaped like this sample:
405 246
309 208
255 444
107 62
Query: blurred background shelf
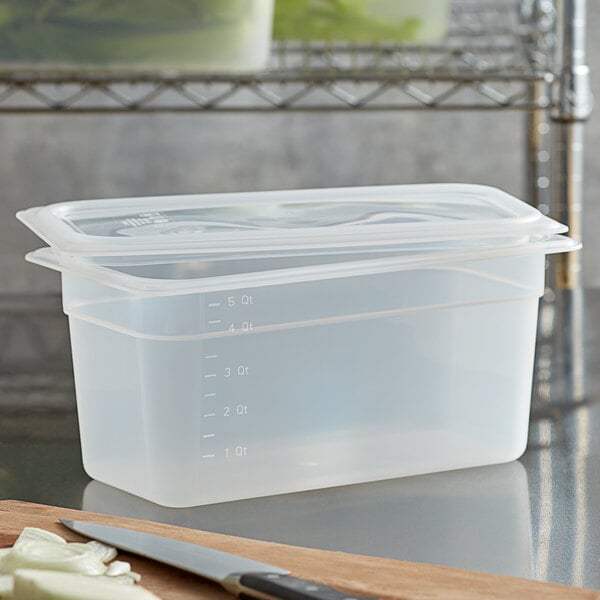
493 53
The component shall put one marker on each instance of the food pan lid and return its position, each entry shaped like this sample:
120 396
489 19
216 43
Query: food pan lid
282 220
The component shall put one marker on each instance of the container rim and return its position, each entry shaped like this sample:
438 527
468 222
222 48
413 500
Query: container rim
140 285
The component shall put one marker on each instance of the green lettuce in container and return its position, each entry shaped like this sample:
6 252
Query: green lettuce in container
203 34
361 20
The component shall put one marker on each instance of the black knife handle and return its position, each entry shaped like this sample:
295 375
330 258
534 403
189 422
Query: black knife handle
268 586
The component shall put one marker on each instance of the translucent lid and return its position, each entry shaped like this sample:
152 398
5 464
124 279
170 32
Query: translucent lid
284 220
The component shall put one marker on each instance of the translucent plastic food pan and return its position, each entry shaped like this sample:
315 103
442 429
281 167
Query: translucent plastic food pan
239 345
362 20
189 35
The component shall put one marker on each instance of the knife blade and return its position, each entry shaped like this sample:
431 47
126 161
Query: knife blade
240 576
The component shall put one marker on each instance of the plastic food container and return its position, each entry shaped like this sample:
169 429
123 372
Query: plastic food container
238 345
193 35
362 20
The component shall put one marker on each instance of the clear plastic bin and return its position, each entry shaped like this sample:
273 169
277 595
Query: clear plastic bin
190 35
241 345
362 20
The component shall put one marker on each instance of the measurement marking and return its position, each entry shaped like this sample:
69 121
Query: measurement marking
214 322
212 356
210 395
208 435
208 455
210 375
209 415
214 304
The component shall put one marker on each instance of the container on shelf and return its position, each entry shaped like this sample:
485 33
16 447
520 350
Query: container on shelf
362 20
229 346
188 35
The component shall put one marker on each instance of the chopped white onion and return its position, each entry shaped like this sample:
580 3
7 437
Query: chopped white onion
33 584
43 566
40 535
118 567
74 558
6 586
104 552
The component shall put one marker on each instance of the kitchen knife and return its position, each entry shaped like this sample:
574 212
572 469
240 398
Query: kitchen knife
240 576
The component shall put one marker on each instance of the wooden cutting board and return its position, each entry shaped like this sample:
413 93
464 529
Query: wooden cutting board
379 577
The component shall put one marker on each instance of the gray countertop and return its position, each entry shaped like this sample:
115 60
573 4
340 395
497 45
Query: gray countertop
538 517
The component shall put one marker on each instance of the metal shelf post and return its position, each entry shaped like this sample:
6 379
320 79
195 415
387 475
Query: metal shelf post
574 105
